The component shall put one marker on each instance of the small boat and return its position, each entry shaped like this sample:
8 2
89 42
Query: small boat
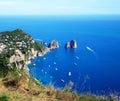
75 64
44 58
54 63
69 74
90 49
62 80
45 72
77 57
56 69
34 64
48 65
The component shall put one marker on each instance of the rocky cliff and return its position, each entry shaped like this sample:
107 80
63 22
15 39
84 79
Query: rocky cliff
18 47
53 45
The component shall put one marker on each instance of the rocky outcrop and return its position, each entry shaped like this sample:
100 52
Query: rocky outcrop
71 44
67 45
21 48
44 52
17 57
53 45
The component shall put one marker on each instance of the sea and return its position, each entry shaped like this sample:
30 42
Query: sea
94 66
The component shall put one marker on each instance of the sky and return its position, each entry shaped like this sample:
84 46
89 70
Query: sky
59 7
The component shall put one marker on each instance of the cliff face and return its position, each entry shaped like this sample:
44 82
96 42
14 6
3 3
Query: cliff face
18 48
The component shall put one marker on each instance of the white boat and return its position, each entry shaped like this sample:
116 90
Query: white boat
75 64
44 58
56 69
34 64
45 72
48 65
54 63
62 80
69 74
77 57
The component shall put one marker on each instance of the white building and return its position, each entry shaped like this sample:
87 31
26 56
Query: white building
2 47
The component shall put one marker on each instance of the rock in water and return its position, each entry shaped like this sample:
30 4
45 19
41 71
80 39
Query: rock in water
67 45
73 44
53 44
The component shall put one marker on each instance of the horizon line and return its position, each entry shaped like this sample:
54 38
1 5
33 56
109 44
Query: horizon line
54 14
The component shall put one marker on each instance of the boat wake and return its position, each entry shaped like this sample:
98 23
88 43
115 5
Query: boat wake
91 50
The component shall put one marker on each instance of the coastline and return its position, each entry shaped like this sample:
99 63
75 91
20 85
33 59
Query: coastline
20 78
35 54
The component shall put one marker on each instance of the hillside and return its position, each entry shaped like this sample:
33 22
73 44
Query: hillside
16 50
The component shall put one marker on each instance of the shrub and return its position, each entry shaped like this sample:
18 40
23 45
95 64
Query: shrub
4 97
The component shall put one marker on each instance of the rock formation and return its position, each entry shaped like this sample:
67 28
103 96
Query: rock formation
67 45
71 44
53 45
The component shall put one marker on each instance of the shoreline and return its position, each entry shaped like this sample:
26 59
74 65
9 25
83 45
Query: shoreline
38 54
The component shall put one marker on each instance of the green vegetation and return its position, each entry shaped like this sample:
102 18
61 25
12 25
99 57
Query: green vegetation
4 64
4 97
16 40
39 47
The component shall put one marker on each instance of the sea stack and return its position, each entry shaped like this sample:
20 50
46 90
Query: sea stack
71 44
67 45
53 45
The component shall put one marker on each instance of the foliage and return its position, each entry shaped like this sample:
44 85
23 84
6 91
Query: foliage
4 97
20 40
3 65
39 47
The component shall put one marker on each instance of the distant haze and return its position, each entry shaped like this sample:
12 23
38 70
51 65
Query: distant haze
59 7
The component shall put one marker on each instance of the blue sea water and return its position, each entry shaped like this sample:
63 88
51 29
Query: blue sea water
94 66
